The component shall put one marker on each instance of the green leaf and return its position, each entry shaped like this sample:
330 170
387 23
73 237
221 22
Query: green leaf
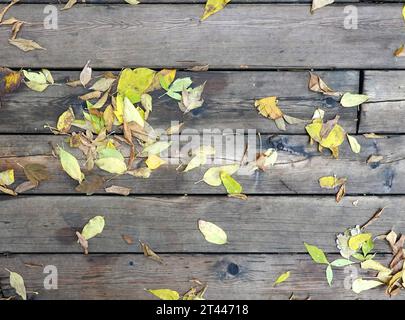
283 277
70 165
165 294
231 185
17 282
353 100
367 246
212 232
94 227
178 86
341 263
329 275
316 254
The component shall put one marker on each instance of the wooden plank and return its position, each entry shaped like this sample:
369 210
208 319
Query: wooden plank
122 2
228 276
229 102
297 170
386 109
254 36
169 224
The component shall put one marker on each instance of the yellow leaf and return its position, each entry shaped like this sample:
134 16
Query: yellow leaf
213 6
230 184
9 80
65 121
7 177
212 175
153 162
165 294
94 227
132 114
360 285
36 86
166 77
212 232
403 12
133 83
331 182
200 157
70 165
268 108
283 277
112 165
17 282
119 109
356 241
374 265
354 145
353 100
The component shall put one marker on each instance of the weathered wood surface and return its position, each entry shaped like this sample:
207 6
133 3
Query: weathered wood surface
386 109
269 224
122 2
228 276
229 102
254 36
297 170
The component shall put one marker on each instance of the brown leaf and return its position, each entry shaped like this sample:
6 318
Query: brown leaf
239 196
85 75
36 172
374 159
118 190
316 84
91 95
83 242
128 239
16 28
341 193
74 83
148 252
26 186
6 8
9 80
400 52
199 68
90 185
375 217
328 126
25 44
9 22
8 191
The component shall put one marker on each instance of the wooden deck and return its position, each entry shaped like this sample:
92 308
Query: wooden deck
254 49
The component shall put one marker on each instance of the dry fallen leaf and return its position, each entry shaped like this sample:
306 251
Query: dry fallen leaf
85 75
165 294
148 252
331 182
118 190
83 242
317 4
9 80
374 158
6 8
128 239
17 282
354 145
400 52
90 185
316 84
341 193
36 172
25 186
25 44
69 4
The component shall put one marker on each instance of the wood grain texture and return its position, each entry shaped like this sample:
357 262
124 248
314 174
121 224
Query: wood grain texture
156 2
386 110
271 224
229 102
254 36
228 276
297 170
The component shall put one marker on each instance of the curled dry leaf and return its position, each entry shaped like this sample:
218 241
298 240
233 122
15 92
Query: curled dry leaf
16 29
83 242
85 75
6 8
8 191
91 95
341 193
140 173
317 4
316 84
69 4
25 44
212 233
374 159
268 108
118 190
400 52
148 252
25 186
